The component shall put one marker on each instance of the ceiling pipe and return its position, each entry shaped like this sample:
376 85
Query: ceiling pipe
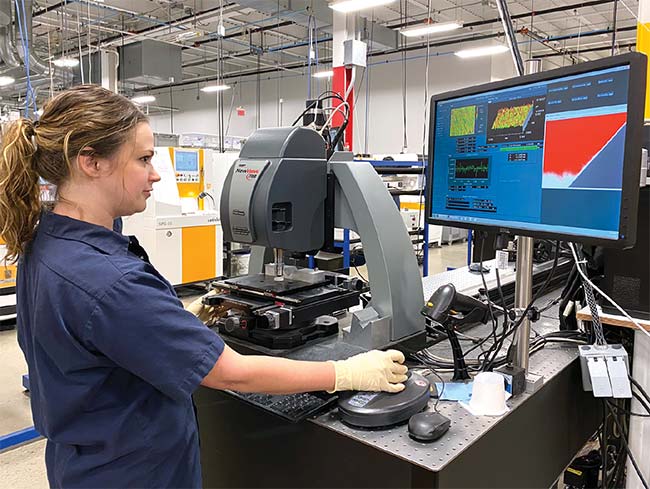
174 23
534 13
417 47
628 45
141 34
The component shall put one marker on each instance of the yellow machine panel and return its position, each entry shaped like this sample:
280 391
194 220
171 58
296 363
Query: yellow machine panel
199 259
7 271
181 233
7 275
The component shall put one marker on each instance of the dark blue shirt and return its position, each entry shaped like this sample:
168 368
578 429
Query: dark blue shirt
113 360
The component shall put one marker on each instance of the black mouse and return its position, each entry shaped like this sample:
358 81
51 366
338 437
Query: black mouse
428 426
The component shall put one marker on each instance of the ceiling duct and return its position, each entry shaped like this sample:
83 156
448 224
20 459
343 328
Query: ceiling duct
8 51
36 64
13 55
20 86
150 63
5 17
300 11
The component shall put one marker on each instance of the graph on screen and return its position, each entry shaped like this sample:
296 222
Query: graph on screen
463 121
473 168
584 151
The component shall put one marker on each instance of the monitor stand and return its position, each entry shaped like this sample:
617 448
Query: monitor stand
523 296
524 276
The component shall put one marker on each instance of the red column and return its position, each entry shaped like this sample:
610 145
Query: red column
340 82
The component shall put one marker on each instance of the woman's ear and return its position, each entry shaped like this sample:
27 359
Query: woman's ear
88 163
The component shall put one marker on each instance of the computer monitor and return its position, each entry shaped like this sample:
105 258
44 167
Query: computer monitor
555 154
186 161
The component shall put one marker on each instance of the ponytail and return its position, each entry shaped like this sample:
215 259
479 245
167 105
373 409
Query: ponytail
20 204
85 116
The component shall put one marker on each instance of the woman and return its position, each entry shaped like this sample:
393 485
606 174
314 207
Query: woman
113 357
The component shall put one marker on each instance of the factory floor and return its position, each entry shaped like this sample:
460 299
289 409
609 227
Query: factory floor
23 467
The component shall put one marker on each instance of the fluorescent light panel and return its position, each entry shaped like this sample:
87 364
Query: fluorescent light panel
188 34
356 5
423 30
323 74
143 99
66 62
482 51
215 88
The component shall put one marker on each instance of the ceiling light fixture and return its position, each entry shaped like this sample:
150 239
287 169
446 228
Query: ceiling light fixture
215 88
356 5
188 34
66 62
482 51
143 99
323 74
423 30
6 80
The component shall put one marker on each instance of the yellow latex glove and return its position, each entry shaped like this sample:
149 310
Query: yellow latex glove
371 371
200 310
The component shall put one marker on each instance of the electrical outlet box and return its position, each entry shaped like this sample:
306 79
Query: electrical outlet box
354 53
605 370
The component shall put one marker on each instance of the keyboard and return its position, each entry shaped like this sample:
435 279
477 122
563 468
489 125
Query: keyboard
292 407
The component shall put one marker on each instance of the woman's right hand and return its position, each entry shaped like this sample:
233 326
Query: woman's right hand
371 371
200 310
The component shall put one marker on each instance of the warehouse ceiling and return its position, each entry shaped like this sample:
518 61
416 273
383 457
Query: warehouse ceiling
268 36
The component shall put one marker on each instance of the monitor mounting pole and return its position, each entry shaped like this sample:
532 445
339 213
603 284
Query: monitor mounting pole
524 276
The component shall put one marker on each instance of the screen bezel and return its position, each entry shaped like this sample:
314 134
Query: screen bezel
188 151
631 162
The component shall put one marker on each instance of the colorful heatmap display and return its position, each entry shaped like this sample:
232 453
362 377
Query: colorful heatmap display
463 121
509 117
584 152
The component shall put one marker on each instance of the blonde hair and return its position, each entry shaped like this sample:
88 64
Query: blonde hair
83 117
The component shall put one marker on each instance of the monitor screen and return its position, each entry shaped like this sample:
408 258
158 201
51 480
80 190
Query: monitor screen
550 154
186 161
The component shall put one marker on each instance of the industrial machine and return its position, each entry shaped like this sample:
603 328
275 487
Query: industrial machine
493 163
180 226
283 194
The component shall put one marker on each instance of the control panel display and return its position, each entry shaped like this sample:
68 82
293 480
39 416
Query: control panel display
186 165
